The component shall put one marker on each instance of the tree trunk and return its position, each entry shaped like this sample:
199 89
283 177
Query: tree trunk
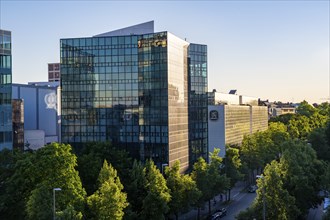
198 213
176 216
209 207
229 190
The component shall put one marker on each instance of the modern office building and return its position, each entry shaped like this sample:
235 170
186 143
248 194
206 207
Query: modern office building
6 129
130 87
41 110
54 72
228 123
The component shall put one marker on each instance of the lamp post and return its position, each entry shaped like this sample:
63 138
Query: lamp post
54 209
263 196
164 165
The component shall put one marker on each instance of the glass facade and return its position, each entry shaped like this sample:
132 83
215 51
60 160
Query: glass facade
198 132
6 135
130 90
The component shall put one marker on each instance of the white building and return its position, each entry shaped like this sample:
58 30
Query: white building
228 123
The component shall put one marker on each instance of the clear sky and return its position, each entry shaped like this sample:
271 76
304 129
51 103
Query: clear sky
276 50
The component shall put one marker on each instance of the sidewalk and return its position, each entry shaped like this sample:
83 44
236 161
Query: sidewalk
192 214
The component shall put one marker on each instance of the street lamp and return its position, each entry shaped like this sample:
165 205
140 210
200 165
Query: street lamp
263 196
54 210
164 165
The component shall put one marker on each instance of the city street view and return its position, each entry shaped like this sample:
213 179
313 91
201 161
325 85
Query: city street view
164 110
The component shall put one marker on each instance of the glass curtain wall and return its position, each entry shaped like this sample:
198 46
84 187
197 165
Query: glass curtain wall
130 90
100 91
6 127
178 101
153 101
198 146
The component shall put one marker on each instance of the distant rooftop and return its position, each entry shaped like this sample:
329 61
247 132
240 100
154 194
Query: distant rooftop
143 28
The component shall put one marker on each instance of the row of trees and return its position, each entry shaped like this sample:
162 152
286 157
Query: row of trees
293 156
101 182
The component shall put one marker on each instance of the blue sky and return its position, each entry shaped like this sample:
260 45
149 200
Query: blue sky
277 50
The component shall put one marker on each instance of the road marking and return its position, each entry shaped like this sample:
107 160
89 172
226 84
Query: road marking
236 195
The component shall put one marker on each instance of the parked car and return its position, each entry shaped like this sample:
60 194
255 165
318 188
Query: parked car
219 214
252 188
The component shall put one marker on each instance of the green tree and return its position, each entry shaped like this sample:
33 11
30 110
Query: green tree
327 133
136 191
200 176
305 109
291 185
285 118
90 161
318 140
184 191
16 183
324 109
219 182
251 156
55 167
280 204
233 165
325 184
155 204
261 148
109 201
303 174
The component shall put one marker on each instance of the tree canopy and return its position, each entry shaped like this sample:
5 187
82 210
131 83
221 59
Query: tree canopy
183 190
109 201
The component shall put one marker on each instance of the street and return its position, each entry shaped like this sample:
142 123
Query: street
315 214
239 203
240 200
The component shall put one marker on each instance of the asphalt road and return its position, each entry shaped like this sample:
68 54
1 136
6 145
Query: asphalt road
240 200
239 203
315 214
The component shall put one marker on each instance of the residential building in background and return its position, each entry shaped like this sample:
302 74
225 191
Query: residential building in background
130 87
228 123
54 72
6 129
41 112
278 108
18 124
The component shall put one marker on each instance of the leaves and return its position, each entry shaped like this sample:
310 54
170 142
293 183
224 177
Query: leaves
54 167
109 201
155 204
184 191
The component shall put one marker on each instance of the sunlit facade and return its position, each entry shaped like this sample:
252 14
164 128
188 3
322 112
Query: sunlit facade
129 87
229 123
6 127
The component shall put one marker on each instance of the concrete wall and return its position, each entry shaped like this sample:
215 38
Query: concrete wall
34 139
216 129
233 123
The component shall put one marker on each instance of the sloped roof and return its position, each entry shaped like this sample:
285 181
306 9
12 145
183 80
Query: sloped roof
143 28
